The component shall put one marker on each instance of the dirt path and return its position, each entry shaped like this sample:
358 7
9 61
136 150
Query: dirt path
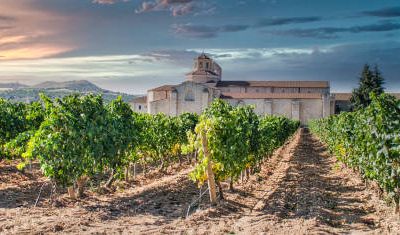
307 192
300 190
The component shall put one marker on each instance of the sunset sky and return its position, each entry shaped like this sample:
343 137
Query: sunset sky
135 45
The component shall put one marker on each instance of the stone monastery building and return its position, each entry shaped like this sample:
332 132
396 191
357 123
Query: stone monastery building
300 100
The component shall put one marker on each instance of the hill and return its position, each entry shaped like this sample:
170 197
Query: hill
16 92
78 86
12 85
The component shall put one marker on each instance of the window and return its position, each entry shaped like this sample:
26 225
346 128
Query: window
200 64
207 65
189 96
257 90
140 107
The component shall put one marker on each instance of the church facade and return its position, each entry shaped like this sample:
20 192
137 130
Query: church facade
299 100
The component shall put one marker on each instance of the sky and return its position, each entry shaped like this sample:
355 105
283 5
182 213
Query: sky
135 45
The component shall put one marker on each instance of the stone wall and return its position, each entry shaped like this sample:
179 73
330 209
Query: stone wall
159 106
310 109
139 107
298 109
202 97
157 95
235 89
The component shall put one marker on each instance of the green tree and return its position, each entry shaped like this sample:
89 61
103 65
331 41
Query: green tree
370 81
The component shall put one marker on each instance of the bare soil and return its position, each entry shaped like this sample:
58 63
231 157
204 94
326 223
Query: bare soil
301 189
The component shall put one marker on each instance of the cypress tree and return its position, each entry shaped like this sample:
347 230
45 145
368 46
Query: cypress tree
369 81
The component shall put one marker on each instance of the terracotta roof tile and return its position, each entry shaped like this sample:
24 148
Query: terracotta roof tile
163 88
310 84
142 99
231 95
341 96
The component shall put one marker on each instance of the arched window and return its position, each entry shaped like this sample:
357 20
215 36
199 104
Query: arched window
189 96
207 65
140 107
200 64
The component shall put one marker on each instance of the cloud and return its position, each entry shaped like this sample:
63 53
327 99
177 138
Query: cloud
5 27
6 18
203 31
33 32
108 1
383 26
12 39
147 6
384 12
287 20
331 32
184 9
176 7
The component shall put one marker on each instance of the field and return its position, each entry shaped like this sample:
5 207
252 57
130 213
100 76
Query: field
301 189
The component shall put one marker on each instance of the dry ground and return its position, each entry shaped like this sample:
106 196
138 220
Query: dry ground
300 190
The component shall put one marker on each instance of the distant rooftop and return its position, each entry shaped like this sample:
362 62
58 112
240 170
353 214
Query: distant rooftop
163 88
342 96
310 84
141 100
229 95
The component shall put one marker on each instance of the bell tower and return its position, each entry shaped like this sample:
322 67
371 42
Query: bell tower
205 70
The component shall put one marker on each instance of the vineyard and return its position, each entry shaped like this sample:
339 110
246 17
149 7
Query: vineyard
78 165
78 138
369 142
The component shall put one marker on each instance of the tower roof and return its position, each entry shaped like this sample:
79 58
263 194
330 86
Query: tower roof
203 56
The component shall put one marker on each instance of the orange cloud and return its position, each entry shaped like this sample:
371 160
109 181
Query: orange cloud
32 32
32 52
12 39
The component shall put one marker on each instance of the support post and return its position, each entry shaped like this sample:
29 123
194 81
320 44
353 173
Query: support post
210 174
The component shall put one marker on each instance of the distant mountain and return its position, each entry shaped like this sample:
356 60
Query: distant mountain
78 86
12 85
27 94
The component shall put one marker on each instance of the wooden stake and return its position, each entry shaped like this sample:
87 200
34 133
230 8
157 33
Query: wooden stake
210 174
127 173
71 192
81 186
231 185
